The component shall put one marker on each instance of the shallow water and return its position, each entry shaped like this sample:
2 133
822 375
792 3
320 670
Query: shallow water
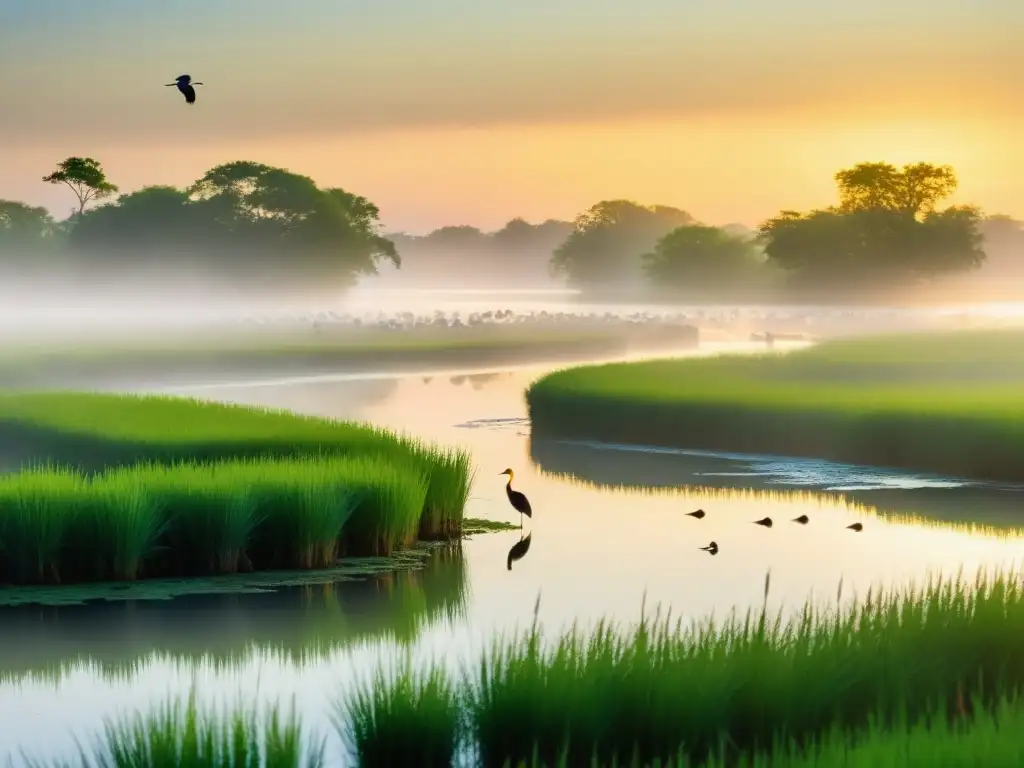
609 532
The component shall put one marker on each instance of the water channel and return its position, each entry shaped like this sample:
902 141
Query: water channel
609 531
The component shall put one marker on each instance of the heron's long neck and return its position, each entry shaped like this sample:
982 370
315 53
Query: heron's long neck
509 483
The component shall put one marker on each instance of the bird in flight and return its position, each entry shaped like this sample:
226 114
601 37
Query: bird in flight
184 84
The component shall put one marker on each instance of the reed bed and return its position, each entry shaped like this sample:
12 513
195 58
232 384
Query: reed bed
741 687
950 403
157 486
406 718
188 737
927 676
94 432
187 519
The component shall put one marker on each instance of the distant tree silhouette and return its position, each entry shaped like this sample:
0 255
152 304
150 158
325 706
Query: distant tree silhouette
699 261
248 219
886 230
603 250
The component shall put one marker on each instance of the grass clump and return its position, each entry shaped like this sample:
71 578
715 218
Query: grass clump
950 403
153 520
174 487
661 690
94 432
187 737
408 718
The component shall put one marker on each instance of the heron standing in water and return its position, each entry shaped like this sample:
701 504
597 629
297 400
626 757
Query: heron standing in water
518 501
184 84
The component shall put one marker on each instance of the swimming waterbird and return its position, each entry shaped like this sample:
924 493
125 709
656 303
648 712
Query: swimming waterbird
699 514
519 550
856 527
518 501
184 84
803 519
765 521
711 548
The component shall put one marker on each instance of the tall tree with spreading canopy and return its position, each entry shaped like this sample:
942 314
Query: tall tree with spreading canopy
85 177
604 248
886 231
914 190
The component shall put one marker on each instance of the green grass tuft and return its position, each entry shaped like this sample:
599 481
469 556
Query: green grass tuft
404 719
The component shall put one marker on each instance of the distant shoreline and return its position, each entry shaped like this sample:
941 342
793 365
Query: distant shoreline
68 369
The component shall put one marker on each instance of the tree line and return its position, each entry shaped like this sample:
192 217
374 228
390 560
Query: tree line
256 223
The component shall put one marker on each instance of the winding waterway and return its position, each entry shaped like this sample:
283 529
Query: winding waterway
602 542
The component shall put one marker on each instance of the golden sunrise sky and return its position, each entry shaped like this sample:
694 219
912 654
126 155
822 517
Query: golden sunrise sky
475 111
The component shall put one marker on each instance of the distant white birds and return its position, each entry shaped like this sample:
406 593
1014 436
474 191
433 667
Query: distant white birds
184 84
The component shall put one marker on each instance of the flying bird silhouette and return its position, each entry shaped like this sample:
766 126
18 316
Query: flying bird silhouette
765 521
699 514
711 548
858 527
184 84
803 519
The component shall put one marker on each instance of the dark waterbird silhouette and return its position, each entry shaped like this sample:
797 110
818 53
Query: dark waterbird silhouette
803 519
765 521
699 514
711 548
518 501
184 84
856 527
519 550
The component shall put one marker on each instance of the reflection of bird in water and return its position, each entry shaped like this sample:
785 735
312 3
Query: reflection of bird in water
711 548
856 527
765 521
184 84
803 519
518 501
519 550
699 514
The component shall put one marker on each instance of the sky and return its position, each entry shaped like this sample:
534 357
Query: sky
476 111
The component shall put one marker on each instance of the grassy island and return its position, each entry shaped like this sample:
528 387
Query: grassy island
948 403
124 487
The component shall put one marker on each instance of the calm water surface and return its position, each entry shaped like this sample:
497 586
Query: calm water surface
609 531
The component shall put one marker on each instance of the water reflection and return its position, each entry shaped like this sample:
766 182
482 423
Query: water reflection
296 622
519 550
894 493
594 507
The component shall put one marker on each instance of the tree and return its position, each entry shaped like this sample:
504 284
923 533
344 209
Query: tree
24 225
248 222
914 191
85 177
702 260
607 240
886 230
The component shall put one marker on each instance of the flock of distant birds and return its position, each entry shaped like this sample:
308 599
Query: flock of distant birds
764 522
521 504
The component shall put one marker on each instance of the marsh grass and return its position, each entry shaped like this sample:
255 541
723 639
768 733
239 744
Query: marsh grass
187 737
406 718
187 519
950 403
745 685
154 486
192 738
